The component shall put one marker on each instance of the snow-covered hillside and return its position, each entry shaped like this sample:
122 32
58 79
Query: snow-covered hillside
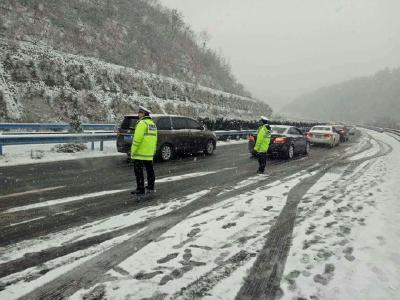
38 83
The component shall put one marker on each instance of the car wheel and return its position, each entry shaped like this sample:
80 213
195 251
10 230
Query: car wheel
290 152
307 149
166 152
209 148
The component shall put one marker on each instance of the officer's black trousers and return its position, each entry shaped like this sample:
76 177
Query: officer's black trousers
138 166
262 161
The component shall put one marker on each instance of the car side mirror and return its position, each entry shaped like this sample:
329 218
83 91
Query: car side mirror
201 127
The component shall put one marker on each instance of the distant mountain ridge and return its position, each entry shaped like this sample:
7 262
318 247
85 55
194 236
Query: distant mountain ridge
140 34
373 99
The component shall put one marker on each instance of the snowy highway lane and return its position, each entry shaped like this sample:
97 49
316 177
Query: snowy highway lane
214 230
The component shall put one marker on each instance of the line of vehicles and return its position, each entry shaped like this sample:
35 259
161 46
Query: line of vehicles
287 141
179 134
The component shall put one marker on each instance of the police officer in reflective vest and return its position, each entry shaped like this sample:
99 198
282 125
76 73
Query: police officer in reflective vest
143 149
262 144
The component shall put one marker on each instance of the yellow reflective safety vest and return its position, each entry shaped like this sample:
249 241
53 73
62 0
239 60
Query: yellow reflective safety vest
144 142
263 139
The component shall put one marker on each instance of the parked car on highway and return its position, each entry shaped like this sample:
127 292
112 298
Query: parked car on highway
286 141
343 132
352 130
176 135
323 135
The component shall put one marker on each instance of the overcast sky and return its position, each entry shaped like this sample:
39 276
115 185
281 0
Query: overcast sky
280 49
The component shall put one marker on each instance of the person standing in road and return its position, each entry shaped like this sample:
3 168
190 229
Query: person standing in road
143 149
262 144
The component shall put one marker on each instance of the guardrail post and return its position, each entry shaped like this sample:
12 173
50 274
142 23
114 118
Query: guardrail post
101 145
1 149
92 145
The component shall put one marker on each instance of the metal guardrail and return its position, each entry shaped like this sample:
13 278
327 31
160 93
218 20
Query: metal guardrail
53 126
85 138
395 131
56 138
51 132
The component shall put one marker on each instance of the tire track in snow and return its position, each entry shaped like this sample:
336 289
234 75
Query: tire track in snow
327 229
265 276
33 252
93 270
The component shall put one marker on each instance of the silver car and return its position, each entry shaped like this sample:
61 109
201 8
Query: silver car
323 135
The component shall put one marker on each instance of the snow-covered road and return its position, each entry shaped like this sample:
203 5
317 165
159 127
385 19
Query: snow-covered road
346 240
323 228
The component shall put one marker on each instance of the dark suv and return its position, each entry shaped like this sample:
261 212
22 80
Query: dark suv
343 132
176 134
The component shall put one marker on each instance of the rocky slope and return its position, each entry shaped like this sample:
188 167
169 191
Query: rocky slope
141 34
38 83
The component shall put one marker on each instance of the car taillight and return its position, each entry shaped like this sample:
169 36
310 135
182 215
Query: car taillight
327 135
309 134
280 140
251 138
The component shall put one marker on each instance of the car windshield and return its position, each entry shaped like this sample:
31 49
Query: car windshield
320 128
129 122
277 129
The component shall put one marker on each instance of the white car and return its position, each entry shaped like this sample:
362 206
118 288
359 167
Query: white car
323 135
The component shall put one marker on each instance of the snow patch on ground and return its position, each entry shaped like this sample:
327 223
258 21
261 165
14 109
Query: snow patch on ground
362 142
26 221
346 241
21 154
22 283
189 175
199 245
65 200
95 228
229 287
370 152
258 178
